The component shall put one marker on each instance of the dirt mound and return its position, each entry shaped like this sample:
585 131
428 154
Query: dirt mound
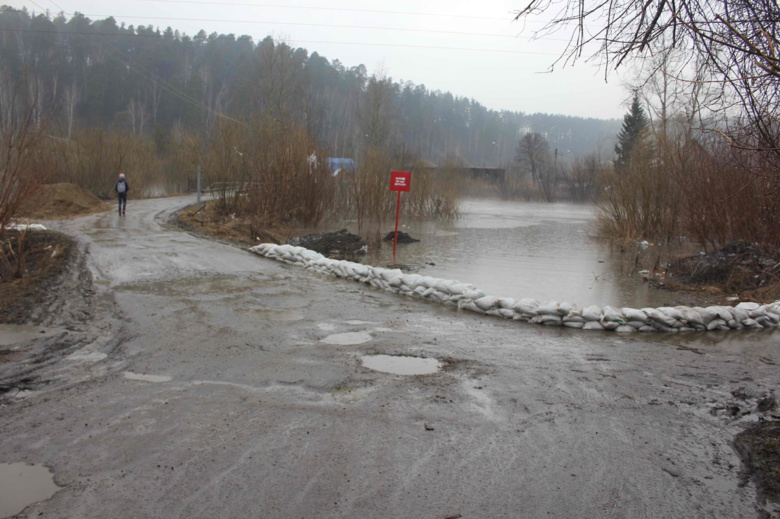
737 267
59 201
338 244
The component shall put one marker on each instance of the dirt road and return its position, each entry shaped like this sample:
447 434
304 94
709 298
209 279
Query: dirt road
188 378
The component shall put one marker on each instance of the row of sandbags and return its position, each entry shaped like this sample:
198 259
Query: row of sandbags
551 313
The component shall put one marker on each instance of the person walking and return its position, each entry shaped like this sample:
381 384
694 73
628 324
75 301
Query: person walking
122 188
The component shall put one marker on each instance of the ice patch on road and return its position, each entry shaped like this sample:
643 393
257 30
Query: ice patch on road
146 378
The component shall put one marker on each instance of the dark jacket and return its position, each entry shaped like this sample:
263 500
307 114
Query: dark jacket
122 181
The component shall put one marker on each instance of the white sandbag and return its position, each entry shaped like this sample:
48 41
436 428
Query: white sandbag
765 321
715 324
633 314
506 302
612 314
706 314
568 309
625 328
487 302
550 320
474 294
657 316
747 306
591 313
735 325
647 328
592 325
574 324
740 314
548 308
526 306
672 312
691 316
507 313
572 318
751 323
636 324
396 282
724 312
495 312
760 311
471 307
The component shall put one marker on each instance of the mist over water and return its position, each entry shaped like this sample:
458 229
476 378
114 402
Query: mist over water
519 249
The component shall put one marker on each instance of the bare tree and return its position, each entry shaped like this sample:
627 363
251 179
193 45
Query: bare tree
735 41
533 152
22 131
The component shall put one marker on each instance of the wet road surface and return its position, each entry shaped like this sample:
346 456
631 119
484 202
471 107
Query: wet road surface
211 382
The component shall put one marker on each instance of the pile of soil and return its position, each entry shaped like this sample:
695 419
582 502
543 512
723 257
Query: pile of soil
45 255
759 448
739 268
60 201
402 237
337 244
205 220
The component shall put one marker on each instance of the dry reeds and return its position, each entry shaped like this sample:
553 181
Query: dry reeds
691 188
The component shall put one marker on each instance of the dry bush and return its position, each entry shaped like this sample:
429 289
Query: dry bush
642 201
370 194
93 159
273 174
582 179
24 161
725 202
434 193
179 165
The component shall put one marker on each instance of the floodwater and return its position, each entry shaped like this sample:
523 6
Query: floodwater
401 364
22 485
517 249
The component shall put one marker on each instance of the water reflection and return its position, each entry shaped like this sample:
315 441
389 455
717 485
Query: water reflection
512 249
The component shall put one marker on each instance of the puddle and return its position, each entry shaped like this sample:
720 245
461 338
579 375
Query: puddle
348 338
326 327
146 378
401 365
285 315
94 356
15 333
22 485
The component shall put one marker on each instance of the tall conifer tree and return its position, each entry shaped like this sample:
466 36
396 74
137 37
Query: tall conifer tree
635 124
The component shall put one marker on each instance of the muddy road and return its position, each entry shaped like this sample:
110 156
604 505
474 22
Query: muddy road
180 377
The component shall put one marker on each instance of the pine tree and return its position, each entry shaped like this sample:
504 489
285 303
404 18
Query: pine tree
635 124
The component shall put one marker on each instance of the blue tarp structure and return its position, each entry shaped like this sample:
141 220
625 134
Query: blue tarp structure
335 165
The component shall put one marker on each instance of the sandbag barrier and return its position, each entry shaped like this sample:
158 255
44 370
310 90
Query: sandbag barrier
550 313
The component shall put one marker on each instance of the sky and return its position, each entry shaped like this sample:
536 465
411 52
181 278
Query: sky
470 48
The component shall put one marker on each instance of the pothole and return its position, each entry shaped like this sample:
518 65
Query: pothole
22 485
401 365
348 338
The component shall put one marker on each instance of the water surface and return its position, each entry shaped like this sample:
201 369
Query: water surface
519 249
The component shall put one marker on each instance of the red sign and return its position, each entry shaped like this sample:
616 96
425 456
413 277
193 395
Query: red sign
400 181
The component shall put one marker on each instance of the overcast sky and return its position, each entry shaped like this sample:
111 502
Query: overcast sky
470 48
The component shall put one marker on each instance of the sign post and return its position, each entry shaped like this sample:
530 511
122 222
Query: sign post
399 181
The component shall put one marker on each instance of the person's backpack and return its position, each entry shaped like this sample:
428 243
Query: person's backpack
121 187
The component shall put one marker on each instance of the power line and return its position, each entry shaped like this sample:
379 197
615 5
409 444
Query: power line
301 24
321 8
356 43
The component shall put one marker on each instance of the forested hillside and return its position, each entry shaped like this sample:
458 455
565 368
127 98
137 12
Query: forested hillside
145 81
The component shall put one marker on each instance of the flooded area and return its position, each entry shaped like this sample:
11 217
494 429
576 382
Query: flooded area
518 249
22 485
401 365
